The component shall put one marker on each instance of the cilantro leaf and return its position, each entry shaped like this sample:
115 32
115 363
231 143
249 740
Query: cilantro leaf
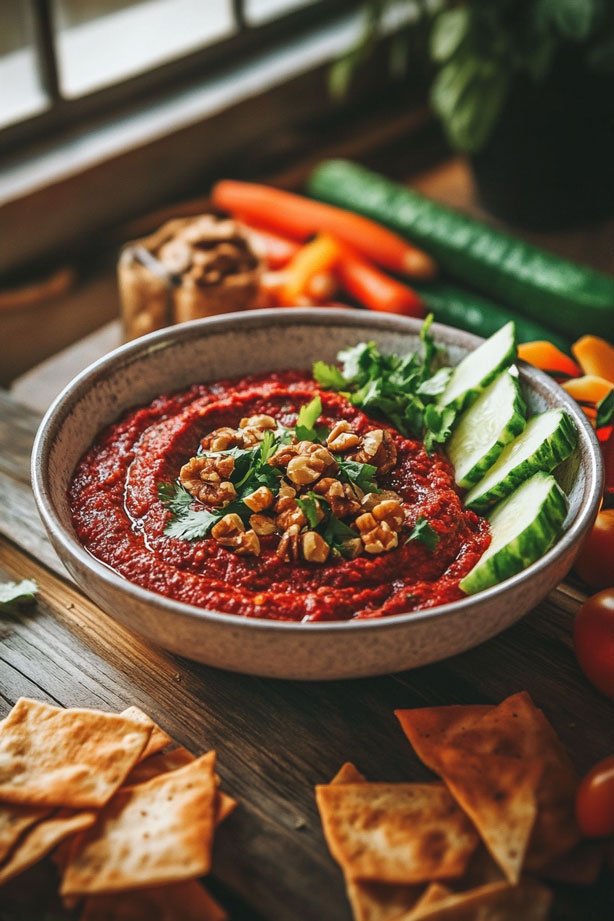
192 525
436 384
438 421
310 506
310 413
176 499
605 410
328 376
18 593
356 474
426 534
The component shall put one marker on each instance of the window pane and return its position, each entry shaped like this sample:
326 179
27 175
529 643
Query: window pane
258 12
20 91
105 41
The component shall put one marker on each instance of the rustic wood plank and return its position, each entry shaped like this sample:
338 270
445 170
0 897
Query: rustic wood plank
18 426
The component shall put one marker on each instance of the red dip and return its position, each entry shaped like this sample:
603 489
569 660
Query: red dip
121 520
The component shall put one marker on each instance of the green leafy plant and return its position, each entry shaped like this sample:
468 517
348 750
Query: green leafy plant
479 47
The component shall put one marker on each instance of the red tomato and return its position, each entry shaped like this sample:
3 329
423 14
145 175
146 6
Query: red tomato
595 800
594 640
595 564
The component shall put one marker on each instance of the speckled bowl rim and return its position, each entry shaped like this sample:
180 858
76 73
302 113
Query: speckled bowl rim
126 354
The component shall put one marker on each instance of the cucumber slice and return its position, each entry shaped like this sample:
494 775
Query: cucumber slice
548 439
523 527
483 430
478 368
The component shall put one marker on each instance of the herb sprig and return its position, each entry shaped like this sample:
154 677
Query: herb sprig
400 388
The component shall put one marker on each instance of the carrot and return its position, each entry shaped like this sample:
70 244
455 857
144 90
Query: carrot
300 218
375 290
588 389
545 355
274 250
312 260
596 356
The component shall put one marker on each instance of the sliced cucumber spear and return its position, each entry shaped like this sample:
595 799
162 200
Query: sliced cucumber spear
523 527
547 440
483 430
478 368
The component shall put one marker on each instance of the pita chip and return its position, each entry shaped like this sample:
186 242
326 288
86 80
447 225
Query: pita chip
429 729
14 821
155 833
180 902
43 838
498 794
529 901
395 833
158 738
73 758
374 901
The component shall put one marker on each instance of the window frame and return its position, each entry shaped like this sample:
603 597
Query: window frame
62 113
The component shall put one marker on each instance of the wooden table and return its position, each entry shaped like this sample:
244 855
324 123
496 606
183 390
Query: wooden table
275 739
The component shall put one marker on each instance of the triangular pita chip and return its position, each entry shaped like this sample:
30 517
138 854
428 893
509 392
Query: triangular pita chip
528 901
158 764
14 821
374 901
395 833
154 833
163 762
180 902
158 739
42 838
431 895
73 758
429 729
498 794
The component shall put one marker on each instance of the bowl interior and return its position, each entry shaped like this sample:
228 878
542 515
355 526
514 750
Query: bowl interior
236 345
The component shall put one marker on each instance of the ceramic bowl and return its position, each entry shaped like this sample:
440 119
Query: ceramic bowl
267 340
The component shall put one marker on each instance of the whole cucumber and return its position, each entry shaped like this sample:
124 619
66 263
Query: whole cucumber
570 298
475 314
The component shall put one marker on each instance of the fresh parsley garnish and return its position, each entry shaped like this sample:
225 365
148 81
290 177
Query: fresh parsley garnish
311 508
176 499
425 533
398 388
18 593
306 428
356 474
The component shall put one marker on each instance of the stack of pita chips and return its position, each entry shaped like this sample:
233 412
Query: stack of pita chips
460 850
129 821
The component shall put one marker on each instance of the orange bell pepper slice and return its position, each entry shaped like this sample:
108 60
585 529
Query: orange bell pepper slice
544 355
588 389
596 356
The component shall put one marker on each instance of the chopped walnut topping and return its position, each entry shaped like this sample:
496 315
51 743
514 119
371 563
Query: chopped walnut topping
391 511
378 449
342 438
371 499
310 471
381 539
288 513
262 525
228 530
204 478
222 439
315 548
260 499
283 456
288 545
343 503
309 465
248 544
261 421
